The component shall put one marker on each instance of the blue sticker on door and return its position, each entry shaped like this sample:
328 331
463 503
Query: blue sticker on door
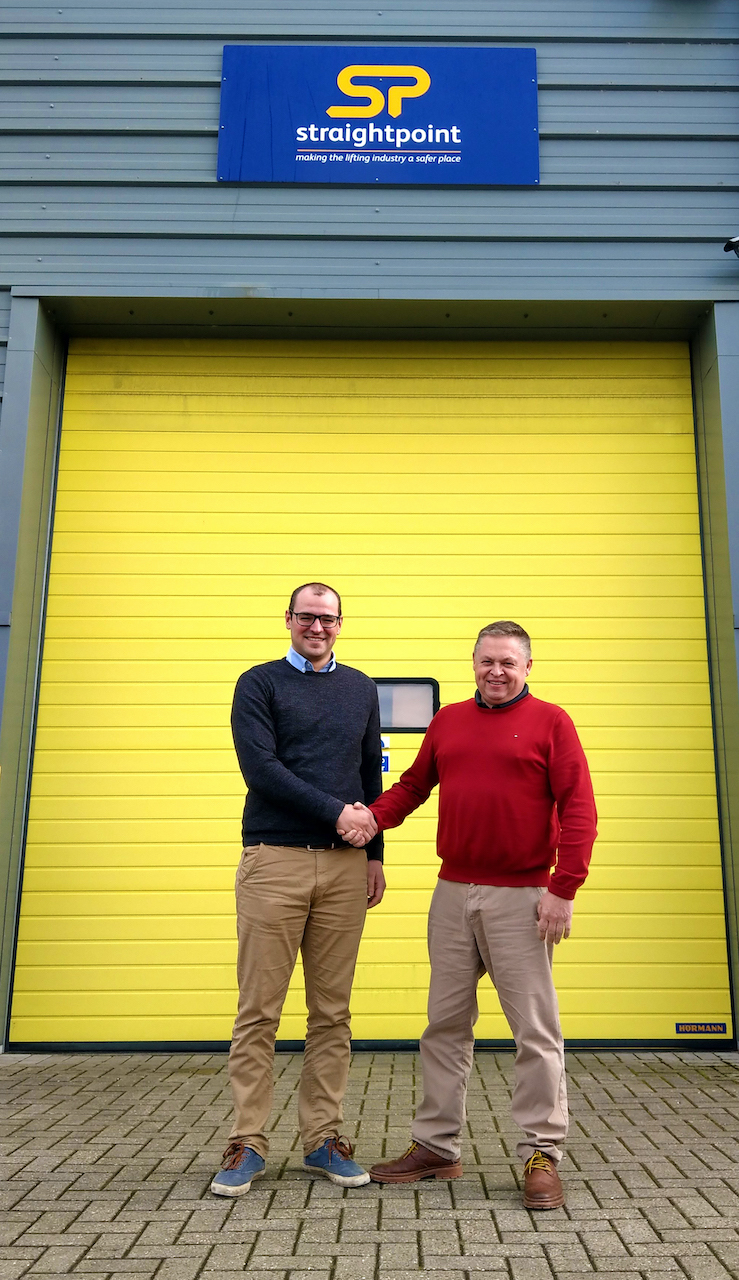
319 114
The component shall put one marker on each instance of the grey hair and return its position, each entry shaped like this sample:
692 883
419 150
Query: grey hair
506 629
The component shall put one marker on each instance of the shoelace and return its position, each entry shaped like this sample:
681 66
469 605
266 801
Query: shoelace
342 1147
537 1161
233 1155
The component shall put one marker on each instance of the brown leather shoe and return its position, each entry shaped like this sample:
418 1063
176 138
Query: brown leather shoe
542 1188
418 1162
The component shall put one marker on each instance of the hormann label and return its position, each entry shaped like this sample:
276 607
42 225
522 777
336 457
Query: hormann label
700 1028
309 113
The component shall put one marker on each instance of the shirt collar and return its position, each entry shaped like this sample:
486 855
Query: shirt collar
501 706
303 664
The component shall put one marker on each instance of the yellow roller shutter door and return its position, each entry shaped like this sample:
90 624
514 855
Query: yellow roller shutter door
439 486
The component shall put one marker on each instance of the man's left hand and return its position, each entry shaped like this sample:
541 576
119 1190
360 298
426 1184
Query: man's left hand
555 917
375 882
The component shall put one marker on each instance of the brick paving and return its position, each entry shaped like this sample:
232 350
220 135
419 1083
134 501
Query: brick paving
107 1160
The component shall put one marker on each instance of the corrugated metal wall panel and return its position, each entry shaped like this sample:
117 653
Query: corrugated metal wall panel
198 61
272 212
188 471
641 113
627 19
180 109
390 269
190 161
4 328
98 108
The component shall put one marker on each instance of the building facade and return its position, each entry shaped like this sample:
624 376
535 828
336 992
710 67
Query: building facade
455 402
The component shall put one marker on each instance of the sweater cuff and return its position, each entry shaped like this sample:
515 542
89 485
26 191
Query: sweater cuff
558 891
333 809
565 884
375 849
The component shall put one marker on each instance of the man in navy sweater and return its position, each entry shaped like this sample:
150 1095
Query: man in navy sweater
307 736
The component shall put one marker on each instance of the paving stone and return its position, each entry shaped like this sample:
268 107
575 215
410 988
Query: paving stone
640 1266
393 1257
356 1268
568 1257
440 1242
10 1231
530 1269
117 1266
10 1253
704 1268
160 1233
322 1229
253 1275
603 1243
179 1269
58 1260
475 1266
67 1239
229 1257
274 1242
217 1237
402 1275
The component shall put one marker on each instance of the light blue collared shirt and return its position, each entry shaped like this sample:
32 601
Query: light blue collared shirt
305 665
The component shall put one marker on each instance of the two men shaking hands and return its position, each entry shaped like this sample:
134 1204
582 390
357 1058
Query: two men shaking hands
515 834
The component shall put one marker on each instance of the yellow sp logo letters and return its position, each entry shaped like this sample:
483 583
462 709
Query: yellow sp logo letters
375 96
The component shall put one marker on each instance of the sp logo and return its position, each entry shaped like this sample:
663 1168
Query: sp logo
375 97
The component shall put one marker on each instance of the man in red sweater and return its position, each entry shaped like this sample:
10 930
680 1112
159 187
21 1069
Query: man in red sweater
515 801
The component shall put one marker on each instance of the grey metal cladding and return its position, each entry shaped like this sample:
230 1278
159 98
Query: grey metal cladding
108 137
129 159
193 110
4 326
198 61
104 108
271 267
490 213
494 19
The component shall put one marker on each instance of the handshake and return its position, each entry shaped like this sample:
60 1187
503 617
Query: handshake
356 824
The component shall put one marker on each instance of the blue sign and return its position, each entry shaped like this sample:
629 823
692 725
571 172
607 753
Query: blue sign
440 116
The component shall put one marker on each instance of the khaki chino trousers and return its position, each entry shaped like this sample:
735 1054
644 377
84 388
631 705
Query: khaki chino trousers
473 929
290 900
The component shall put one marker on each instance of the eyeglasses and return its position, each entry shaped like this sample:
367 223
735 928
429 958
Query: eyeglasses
307 619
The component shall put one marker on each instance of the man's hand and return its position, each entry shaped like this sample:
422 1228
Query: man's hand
555 917
375 882
356 824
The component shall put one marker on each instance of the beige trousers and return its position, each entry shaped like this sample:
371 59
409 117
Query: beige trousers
473 929
288 900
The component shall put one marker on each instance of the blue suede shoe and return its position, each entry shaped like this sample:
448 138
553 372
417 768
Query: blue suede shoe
334 1161
240 1167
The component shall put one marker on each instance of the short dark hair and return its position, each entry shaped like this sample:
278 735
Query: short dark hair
320 589
505 628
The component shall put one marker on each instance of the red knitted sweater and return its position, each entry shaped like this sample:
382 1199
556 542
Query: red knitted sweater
515 795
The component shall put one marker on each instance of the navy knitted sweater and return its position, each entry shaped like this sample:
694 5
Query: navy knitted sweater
307 745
